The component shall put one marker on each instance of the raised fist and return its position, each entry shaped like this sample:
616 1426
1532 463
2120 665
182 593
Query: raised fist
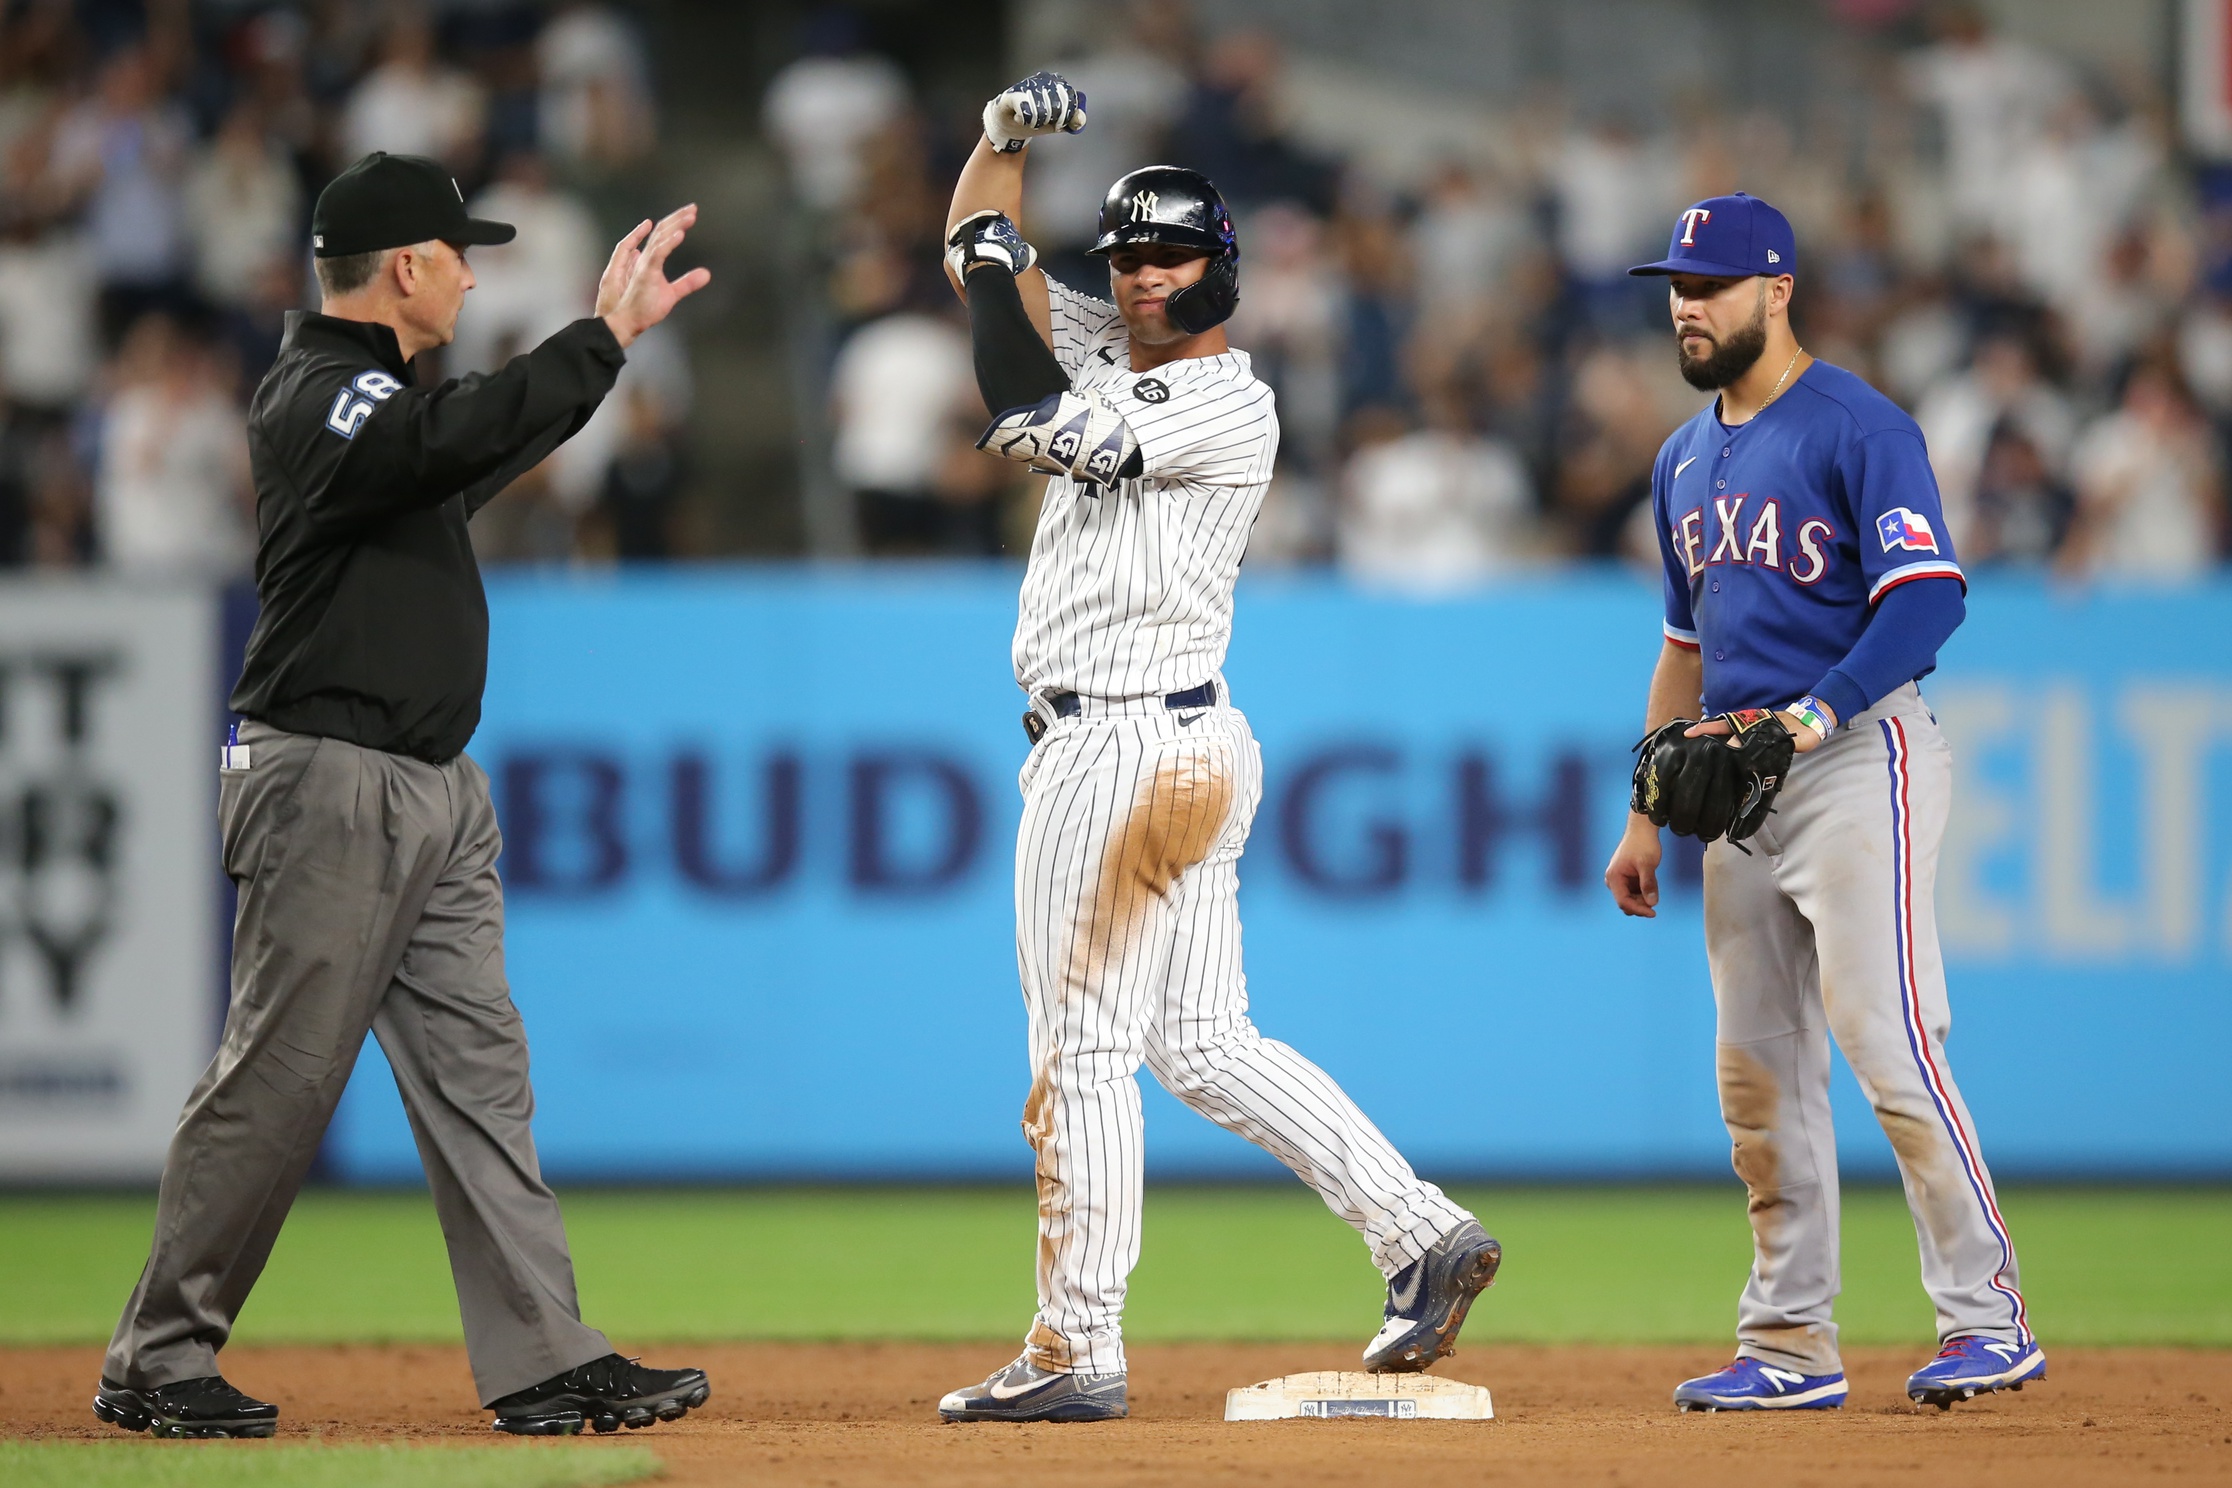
1043 103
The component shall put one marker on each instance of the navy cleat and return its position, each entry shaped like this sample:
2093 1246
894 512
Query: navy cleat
1748 1384
605 1394
1024 1392
1428 1299
188 1408
1971 1365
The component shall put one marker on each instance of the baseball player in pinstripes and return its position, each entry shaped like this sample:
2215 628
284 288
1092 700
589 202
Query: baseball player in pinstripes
1808 573
1143 778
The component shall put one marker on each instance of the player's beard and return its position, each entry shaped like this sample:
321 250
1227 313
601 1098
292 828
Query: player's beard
1729 359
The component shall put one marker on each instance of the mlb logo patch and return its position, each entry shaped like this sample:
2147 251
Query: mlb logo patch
1900 528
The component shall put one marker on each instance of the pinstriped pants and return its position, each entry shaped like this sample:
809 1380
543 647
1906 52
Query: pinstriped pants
1829 928
1128 942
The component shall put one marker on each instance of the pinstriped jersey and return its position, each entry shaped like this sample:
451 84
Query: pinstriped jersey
1129 588
1779 535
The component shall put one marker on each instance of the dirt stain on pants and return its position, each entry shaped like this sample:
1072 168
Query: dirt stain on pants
1175 818
1749 1096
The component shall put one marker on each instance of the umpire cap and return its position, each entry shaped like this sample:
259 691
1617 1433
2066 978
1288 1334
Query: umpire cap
1171 204
393 201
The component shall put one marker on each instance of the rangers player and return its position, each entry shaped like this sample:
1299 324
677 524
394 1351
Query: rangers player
1809 585
1143 778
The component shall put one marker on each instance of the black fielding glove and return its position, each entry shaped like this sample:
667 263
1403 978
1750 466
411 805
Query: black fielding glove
1713 786
1764 750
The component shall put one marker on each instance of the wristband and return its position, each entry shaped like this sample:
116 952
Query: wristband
1810 711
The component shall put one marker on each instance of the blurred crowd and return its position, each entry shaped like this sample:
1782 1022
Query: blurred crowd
158 161
2009 242
2006 241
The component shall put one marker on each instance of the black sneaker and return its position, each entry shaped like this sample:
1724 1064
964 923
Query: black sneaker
1024 1392
1428 1299
606 1393
195 1407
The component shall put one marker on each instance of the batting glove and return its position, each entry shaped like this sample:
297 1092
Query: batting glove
1043 103
987 237
1067 434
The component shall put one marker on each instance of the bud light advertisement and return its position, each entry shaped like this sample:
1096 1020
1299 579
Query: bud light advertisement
759 863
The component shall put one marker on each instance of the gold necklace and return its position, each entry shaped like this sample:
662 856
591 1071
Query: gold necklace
1776 391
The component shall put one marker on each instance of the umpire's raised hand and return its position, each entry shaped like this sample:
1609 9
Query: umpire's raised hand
635 293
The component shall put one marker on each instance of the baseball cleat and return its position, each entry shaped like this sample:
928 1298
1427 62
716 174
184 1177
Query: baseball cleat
1428 1299
189 1408
1748 1384
1024 1392
1971 1365
605 1394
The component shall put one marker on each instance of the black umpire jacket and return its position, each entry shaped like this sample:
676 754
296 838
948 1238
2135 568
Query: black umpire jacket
373 626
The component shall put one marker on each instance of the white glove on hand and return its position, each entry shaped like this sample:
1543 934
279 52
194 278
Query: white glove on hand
1069 434
987 237
1043 103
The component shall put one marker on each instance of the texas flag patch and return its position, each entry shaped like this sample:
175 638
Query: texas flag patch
1900 528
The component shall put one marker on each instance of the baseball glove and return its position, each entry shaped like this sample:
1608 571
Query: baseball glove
1713 786
1043 103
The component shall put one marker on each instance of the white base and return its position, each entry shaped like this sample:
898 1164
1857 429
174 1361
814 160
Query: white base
1333 1393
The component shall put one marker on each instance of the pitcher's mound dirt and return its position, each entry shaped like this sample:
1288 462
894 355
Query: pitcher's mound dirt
864 1415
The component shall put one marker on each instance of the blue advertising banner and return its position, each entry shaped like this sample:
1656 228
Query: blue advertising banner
759 830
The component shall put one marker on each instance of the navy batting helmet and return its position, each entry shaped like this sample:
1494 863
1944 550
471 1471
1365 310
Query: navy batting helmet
1170 204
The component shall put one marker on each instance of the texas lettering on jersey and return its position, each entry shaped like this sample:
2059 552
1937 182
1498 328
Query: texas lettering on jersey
1740 529
1779 536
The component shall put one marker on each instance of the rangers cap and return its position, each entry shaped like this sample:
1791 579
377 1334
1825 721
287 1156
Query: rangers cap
1729 237
393 201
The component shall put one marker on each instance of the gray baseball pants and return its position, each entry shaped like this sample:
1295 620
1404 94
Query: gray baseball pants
368 900
1829 928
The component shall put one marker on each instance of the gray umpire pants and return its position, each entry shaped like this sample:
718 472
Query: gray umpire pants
1830 927
368 900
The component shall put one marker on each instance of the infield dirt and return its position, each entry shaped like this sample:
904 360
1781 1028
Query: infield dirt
855 1414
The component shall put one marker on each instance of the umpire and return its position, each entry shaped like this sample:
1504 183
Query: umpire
362 839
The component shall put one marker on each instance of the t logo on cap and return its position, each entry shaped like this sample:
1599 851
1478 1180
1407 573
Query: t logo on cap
1736 236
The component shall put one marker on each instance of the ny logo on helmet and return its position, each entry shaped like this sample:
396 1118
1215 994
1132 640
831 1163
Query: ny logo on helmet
1143 206
1692 219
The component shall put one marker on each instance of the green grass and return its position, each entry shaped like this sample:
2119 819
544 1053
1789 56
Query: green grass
1581 1264
271 1465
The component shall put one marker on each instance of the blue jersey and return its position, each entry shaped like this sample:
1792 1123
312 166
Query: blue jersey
1780 535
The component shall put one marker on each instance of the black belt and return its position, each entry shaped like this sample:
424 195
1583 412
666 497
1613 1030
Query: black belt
1069 705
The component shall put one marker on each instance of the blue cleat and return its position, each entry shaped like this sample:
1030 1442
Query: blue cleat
1024 1392
1971 1365
1748 1384
1428 1299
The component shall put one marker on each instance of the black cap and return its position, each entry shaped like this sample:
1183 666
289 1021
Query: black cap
393 201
